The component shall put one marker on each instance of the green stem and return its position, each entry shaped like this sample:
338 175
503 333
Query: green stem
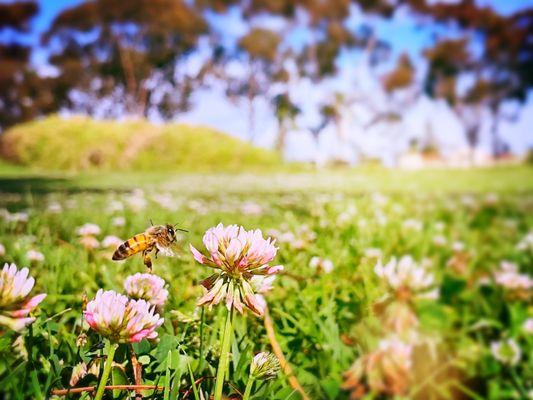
248 389
202 322
227 336
111 348
516 382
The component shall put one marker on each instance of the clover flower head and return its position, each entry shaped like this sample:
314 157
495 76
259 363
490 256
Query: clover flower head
511 279
89 242
136 201
412 225
264 366
78 372
114 206
15 303
458 246
148 287
237 256
373 252
121 319
111 242
321 264
118 221
406 275
386 370
81 370
506 351
526 244
54 207
251 208
17 217
88 229
439 240
527 326
34 255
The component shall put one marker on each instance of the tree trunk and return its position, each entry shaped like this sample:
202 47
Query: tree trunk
282 137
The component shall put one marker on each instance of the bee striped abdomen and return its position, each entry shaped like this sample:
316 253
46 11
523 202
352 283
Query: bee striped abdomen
132 246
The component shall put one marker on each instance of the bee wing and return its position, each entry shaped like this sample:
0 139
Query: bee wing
167 251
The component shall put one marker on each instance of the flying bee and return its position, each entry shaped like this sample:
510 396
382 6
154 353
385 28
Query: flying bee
158 237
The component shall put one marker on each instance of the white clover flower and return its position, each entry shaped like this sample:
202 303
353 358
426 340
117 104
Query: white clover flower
379 199
15 302
236 255
88 229
34 255
148 287
458 246
526 244
439 226
111 242
118 221
78 372
510 278
17 217
251 208
373 252
136 201
406 274
264 366
89 242
166 201
412 225
55 208
386 370
321 264
506 351
491 199
527 326
114 206
439 240
120 319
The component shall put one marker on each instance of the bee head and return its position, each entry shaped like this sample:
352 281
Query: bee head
171 232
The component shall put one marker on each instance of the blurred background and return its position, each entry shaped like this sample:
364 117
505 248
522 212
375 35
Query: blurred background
403 83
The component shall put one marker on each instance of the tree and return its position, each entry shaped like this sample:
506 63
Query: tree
499 69
23 94
125 50
285 111
261 49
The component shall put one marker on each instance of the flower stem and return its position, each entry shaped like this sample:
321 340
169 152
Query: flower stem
227 336
248 389
111 348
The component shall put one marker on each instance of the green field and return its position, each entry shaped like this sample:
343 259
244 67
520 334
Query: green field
459 224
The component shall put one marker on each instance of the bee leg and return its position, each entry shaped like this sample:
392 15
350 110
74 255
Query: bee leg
156 251
147 261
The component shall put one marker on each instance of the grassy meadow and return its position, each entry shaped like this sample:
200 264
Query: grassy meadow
333 315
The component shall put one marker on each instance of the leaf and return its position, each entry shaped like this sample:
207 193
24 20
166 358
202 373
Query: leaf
118 378
144 360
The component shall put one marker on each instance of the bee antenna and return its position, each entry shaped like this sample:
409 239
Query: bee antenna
151 223
179 229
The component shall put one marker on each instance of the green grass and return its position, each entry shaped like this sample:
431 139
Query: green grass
324 322
81 144
357 180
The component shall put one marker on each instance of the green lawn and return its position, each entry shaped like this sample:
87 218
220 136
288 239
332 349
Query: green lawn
459 224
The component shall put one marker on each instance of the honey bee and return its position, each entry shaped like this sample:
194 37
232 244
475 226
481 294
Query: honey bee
158 237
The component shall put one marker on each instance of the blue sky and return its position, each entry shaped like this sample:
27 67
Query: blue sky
402 32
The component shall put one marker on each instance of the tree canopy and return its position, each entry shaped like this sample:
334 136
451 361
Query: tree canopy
113 58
